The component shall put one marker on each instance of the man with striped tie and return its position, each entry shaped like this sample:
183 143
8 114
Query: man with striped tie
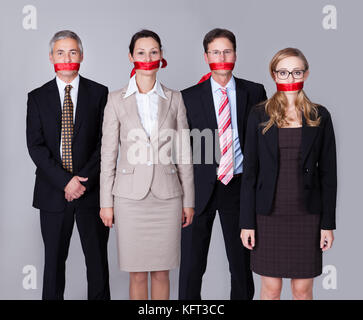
64 129
219 103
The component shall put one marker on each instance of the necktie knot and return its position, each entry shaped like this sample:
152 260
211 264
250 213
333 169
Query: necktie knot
224 91
68 88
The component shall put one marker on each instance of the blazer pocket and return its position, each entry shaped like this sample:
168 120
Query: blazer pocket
126 170
172 179
170 170
124 183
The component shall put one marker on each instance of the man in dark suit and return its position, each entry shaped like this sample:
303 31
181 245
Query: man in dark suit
64 128
220 105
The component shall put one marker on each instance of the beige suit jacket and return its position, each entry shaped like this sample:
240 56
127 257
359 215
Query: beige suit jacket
133 163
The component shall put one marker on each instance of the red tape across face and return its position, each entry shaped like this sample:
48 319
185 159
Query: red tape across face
66 66
221 66
139 65
290 86
217 66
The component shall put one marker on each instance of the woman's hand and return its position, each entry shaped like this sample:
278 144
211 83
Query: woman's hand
326 239
106 215
248 238
187 216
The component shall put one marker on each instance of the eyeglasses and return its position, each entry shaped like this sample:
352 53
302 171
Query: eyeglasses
284 74
217 53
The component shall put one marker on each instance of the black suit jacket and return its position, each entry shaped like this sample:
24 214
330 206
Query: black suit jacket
43 133
201 115
261 166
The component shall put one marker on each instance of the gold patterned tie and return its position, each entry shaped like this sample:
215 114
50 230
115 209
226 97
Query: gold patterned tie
67 130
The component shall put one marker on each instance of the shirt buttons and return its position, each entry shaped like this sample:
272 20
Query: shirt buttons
172 170
123 171
149 163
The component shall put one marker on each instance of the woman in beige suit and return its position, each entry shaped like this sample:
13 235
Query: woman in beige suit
146 195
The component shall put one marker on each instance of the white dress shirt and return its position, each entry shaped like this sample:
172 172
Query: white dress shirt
147 103
74 95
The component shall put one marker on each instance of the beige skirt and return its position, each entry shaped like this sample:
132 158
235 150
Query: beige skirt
148 233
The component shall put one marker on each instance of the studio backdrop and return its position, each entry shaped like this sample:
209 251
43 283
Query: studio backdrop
327 31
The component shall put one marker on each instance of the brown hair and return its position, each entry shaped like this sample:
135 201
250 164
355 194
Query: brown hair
276 106
218 33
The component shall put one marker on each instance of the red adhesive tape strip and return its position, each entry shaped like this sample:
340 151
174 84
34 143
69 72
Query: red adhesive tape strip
66 66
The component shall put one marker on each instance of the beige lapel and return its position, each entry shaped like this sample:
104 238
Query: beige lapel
163 109
130 106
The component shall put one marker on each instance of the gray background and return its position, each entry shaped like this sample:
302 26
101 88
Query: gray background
105 27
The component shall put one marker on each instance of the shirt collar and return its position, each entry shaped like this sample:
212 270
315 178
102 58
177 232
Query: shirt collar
231 85
62 85
132 88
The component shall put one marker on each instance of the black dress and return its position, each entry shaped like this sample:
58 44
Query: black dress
288 240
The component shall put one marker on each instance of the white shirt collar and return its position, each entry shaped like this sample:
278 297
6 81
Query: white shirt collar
216 86
132 88
62 85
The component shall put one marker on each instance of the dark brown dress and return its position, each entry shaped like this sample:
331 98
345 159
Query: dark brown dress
288 240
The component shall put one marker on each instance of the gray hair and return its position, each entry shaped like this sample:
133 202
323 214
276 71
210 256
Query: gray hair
64 34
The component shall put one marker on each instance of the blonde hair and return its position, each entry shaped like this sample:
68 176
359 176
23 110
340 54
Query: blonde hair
276 106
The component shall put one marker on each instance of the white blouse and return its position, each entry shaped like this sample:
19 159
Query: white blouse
147 103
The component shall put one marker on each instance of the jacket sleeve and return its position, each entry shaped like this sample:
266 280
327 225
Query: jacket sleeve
109 153
91 170
327 168
45 162
250 172
184 160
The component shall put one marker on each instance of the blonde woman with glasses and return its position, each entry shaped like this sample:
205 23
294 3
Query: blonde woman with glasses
290 181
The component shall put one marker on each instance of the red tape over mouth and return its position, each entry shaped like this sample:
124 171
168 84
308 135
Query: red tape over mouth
221 66
290 86
139 65
217 66
66 66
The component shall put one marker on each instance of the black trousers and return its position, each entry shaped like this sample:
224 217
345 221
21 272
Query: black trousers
56 228
196 239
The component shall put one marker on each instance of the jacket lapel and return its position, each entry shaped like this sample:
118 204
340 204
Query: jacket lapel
308 137
271 139
208 105
82 103
163 107
55 107
130 106
241 102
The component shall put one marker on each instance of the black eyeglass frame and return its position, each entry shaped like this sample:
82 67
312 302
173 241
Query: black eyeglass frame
288 74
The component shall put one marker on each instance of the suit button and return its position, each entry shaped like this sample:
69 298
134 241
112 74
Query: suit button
306 170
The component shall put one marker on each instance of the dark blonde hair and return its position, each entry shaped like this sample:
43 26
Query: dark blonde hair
276 106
